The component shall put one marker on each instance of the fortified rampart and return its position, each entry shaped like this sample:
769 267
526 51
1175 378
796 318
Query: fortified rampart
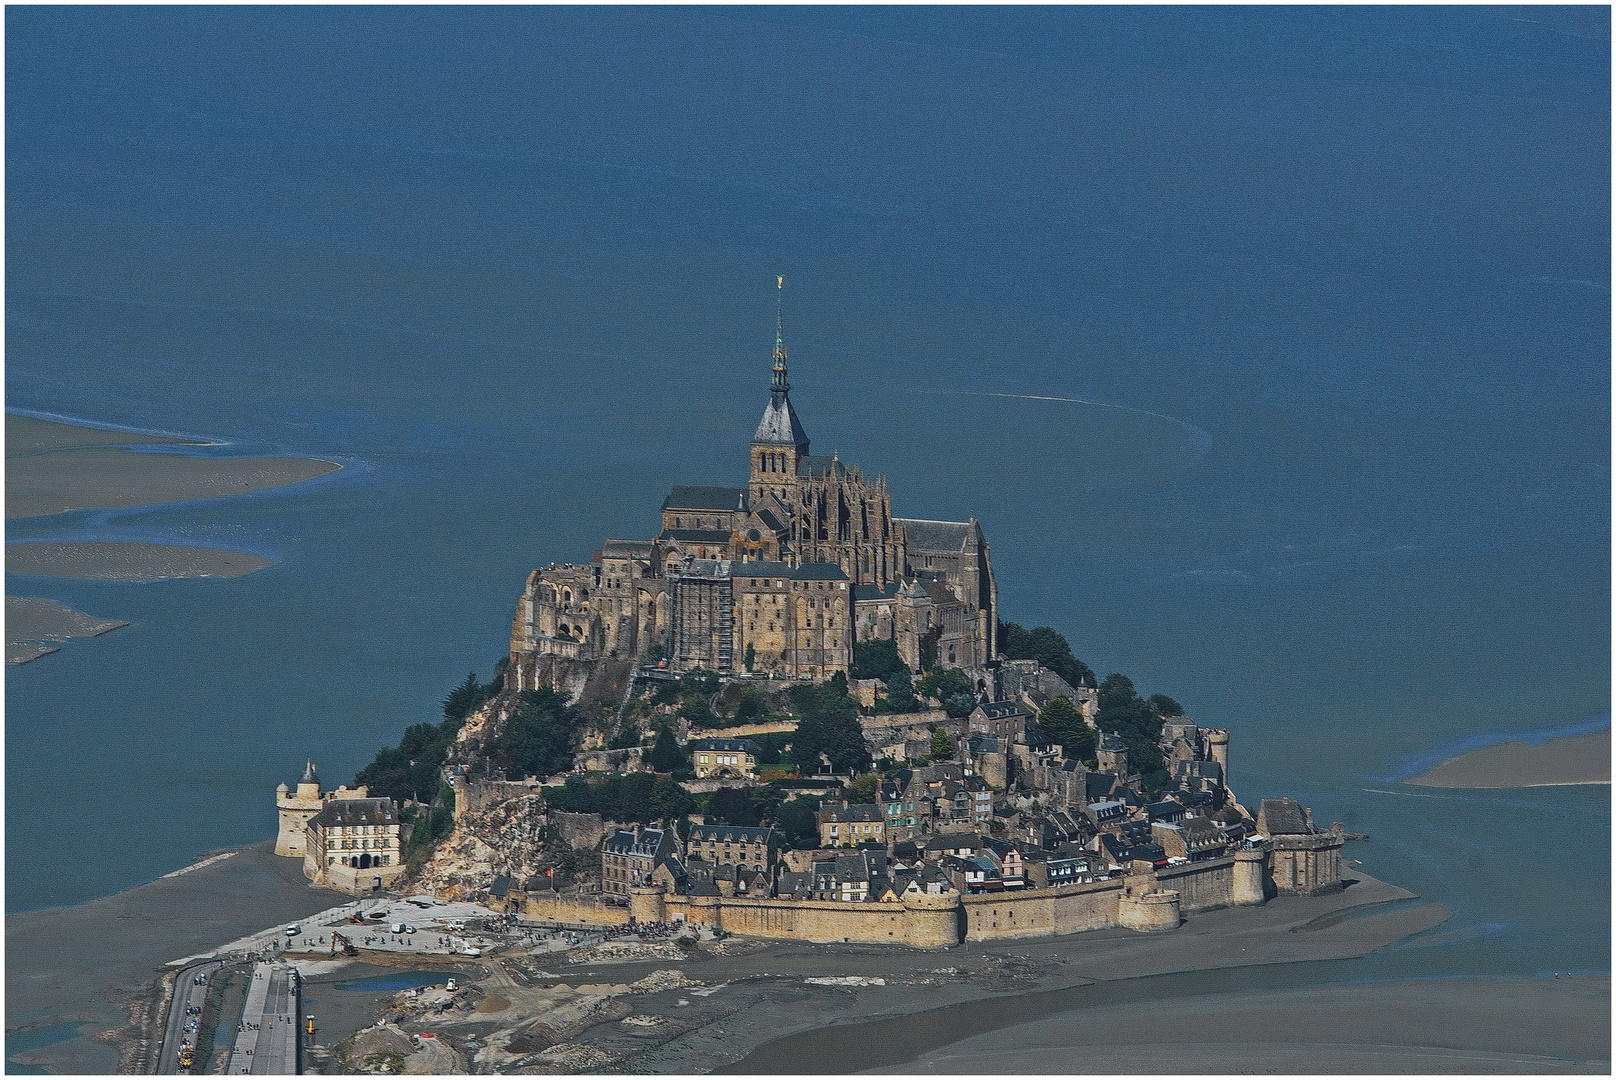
1146 902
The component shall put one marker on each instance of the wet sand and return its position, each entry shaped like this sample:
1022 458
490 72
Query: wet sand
111 560
96 478
29 435
31 621
52 468
1578 759
1430 1026
83 963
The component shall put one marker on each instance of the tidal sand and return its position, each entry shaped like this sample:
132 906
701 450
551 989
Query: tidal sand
1577 759
1427 1025
30 622
116 560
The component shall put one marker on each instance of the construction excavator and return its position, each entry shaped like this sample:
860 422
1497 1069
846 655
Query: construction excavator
347 946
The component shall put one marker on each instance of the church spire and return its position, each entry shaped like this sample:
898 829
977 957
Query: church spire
778 387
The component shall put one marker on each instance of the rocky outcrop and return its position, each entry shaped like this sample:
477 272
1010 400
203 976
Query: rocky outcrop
505 837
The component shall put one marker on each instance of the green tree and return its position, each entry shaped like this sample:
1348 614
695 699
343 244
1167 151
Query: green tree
1165 706
828 724
876 659
733 806
540 736
943 683
628 735
669 800
798 820
1061 722
1047 646
959 706
751 706
900 692
698 712
751 656
667 755
863 788
463 698
941 747
1125 713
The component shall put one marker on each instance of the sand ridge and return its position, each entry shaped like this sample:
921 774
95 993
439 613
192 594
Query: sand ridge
1576 759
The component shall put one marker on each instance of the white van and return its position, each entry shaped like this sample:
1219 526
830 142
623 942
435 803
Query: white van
397 928
293 930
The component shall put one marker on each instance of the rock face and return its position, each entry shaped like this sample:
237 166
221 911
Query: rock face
507 837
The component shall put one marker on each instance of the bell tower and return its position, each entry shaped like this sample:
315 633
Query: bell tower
780 440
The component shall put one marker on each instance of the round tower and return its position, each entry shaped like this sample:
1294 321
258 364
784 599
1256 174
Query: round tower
645 904
931 920
1150 912
295 811
1250 871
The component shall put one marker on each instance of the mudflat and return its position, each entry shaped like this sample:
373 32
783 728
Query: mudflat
86 963
29 435
1493 1025
1575 759
31 621
114 560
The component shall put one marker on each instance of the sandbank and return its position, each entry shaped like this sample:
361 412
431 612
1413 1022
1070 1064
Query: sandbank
30 435
96 478
115 560
1576 759
30 621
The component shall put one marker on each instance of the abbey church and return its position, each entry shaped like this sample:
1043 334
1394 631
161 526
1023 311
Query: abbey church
780 576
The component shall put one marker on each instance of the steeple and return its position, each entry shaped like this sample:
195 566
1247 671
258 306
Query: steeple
779 387
780 425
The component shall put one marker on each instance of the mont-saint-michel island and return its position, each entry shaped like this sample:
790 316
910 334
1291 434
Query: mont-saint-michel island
781 755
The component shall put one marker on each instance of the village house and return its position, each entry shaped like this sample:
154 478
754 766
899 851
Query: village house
353 845
630 857
737 845
724 759
845 826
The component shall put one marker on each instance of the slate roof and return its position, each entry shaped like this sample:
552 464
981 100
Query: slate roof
761 569
870 592
856 812
819 571
999 710
813 467
780 424
696 536
1112 744
921 535
697 497
622 842
1281 817
771 521
738 746
736 834
351 813
628 549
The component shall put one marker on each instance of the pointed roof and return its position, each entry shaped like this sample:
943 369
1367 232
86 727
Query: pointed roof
309 775
780 425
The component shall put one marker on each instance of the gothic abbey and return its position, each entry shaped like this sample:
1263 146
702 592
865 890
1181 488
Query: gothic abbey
780 576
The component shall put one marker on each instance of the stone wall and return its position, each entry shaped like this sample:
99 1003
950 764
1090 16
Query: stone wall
582 832
587 908
1201 886
741 731
920 922
1067 909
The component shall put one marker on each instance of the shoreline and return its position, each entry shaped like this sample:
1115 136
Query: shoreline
761 1005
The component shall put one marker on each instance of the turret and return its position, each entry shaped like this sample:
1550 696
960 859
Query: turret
780 439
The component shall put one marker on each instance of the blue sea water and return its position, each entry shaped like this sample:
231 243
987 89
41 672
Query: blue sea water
1271 347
